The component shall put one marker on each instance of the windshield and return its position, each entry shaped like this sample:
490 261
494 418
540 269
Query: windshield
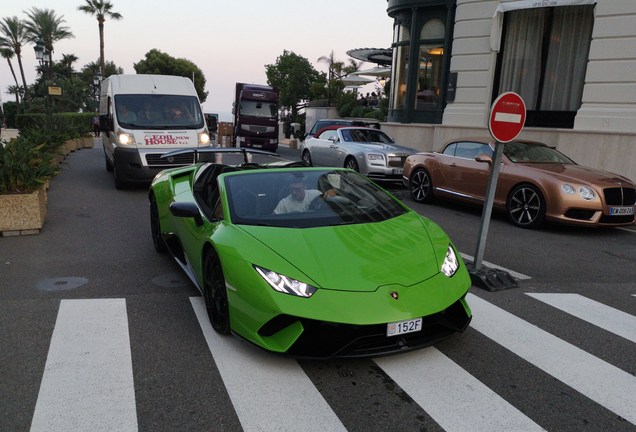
136 111
520 152
366 136
305 198
258 109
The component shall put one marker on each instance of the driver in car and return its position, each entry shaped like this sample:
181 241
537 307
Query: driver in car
299 197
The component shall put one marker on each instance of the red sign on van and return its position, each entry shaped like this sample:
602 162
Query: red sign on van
507 117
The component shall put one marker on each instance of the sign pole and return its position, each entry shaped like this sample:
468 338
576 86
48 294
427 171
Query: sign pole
490 198
506 120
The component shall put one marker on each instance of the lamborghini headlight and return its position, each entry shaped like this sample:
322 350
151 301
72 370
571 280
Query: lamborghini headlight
451 263
283 284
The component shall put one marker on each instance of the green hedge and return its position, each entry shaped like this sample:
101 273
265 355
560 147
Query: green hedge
73 124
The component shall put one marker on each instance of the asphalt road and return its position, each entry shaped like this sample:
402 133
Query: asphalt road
98 332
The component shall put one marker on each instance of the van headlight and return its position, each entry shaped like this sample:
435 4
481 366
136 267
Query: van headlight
204 139
124 138
451 263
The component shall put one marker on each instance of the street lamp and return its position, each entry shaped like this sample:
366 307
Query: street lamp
42 55
44 58
97 81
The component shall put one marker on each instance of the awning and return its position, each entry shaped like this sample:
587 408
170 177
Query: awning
379 56
355 80
497 19
378 71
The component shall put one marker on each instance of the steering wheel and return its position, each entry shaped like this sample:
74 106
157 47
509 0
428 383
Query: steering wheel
318 203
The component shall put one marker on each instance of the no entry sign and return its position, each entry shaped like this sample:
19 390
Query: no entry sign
507 117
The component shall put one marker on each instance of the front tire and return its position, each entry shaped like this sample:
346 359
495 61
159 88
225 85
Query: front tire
526 207
155 227
421 186
352 163
215 293
306 158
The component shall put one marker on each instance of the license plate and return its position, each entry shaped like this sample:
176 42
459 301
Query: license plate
620 211
403 327
397 170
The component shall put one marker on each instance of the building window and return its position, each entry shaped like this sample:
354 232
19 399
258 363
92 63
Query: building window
401 41
544 59
431 54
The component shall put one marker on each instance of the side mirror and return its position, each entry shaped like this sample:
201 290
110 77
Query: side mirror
333 139
105 125
186 210
484 158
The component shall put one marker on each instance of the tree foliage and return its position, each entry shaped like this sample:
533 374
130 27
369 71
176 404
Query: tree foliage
157 62
101 10
294 77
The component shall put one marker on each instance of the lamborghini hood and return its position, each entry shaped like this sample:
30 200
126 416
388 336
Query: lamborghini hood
359 257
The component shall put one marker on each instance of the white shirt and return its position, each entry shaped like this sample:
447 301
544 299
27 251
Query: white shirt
291 205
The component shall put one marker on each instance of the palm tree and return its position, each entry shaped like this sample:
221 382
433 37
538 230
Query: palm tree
102 10
13 35
335 67
46 25
17 91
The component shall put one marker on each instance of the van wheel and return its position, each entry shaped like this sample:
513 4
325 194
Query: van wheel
119 182
109 166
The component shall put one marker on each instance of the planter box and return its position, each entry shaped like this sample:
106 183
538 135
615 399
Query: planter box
87 142
22 214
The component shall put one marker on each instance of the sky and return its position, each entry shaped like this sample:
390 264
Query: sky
230 41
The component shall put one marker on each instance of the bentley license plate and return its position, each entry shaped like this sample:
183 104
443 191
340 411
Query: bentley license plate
403 327
620 211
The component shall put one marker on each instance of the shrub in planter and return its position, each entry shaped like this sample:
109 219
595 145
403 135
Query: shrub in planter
25 166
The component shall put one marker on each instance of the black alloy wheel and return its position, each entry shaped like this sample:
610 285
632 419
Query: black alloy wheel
155 227
526 207
351 163
215 294
306 158
421 186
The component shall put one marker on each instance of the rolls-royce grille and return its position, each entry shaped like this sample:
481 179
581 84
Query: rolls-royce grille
396 161
154 160
620 196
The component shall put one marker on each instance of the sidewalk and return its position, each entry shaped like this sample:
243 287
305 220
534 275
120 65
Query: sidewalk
8 134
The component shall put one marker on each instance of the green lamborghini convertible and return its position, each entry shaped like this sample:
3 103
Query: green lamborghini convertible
309 262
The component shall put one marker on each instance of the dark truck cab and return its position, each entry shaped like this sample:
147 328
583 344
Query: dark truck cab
255 117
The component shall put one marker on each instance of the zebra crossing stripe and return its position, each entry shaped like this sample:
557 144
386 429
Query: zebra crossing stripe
268 392
88 381
605 317
436 383
600 381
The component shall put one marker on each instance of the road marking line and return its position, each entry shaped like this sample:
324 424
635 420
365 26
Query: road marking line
268 391
88 379
519 276
630 230
605 317
600 381
436 383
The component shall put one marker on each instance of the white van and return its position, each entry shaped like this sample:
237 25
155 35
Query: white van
145 116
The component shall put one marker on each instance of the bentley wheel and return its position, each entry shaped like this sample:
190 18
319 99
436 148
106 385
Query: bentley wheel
420 186
351 163
306 158
155 226
215 294
526 207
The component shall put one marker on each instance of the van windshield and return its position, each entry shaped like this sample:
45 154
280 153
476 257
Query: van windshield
137 111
